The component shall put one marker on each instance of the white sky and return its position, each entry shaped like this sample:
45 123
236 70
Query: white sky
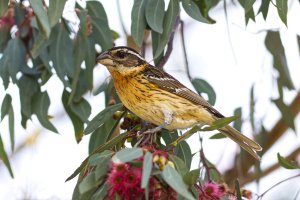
40 169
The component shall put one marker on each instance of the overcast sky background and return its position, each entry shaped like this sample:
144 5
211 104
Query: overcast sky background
231 63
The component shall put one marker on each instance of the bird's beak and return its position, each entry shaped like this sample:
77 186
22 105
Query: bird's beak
104 58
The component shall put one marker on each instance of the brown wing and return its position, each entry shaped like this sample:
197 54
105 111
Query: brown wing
167 82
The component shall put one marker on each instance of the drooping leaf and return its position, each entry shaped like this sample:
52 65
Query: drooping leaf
237 124
264 8
101 193
155 12
138 21
184 153
4 158
101 32
40 105
76 121
98 158
173 179
11 127
155 41
147 169
247 4
82 109
286 163
169 22
193 11
55 10
219 123
286 113
102 117
6 104
88 183
3 6
282 9
249 15
40 42
27 88
102 168
205 7
203 86
275 47
41 15
218 136
191 177
61 52
179 164
127 155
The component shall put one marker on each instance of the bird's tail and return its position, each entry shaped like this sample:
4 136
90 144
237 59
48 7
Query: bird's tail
246 143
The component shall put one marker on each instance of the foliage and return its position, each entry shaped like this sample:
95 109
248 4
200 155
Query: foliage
45 44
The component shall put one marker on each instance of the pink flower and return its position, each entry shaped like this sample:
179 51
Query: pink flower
125 181
211 191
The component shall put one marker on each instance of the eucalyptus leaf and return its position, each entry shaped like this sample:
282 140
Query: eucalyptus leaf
169 22
88 183
237 124
173 179
238 190
42 18
138 21
55 11
11 127
98 158
286 163
179 164
193 11
203 86
6 104
218 136
155 12
127 155
247 4
101 193
282 9
101 118
147 169
3 6
264 8
4 158
82 109
219 123
184 153
41 103
286 113
191 177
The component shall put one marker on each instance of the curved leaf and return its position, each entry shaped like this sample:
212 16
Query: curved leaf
138 21
184 152
203 86
55 10
6 104
155 12
4 158
127 155
82 109
147 169
286 163
191 177
282 9
193 11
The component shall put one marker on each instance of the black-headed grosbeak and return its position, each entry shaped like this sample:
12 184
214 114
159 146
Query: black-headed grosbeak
157 97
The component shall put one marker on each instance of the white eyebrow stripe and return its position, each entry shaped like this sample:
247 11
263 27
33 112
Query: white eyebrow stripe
132 52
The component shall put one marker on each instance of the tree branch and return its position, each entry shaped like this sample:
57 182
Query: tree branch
274 135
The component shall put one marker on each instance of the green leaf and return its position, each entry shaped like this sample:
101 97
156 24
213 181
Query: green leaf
82 109
173 179
205 6
282 9
3 6
61 52
4 158
275 47
237 124
184 153
155 12
179 164
247 4
41 103
191 177
6 104
55 11
264 8
98 158
101 193
218 136
219 123
101 88
193 11
40 43
169 22
41 15
203 86
76 121
238 190
147 169
249 15
286 163
88 183
27 88
114 141
101 32
127 155
138 21
102 168
11 126
286 113
101 118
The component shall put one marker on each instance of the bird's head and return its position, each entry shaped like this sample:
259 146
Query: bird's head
123 60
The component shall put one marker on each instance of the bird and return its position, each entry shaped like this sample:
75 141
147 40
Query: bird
157 97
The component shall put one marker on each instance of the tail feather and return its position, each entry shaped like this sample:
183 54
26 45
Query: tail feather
246 143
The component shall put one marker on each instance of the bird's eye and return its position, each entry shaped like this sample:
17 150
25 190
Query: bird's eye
121 54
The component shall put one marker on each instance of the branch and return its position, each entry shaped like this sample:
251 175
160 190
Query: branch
274 135
252 176
184 50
